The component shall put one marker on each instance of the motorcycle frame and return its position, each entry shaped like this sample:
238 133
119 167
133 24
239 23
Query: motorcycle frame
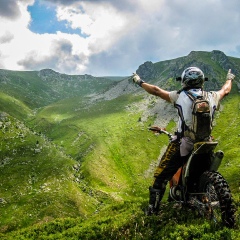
199 148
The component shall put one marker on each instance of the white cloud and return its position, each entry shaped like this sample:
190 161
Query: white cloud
117 36
34 51
101 24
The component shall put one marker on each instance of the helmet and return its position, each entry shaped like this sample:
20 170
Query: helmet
192 77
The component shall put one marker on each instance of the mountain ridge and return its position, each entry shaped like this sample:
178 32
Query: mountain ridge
55 86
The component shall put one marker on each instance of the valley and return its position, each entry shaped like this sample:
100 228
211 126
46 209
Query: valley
76 152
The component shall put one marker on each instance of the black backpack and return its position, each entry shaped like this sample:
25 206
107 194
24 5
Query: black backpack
201 127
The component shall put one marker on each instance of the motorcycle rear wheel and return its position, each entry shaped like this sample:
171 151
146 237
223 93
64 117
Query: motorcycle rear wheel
217 199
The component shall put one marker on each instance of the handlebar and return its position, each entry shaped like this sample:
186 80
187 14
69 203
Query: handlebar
160 131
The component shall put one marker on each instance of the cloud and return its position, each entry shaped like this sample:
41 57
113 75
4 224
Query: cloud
6 37
27 50
9 9
116 36
64 61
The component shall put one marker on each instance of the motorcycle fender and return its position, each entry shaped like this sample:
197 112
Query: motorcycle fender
216 160
186 169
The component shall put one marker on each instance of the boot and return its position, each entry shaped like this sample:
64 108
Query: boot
155 196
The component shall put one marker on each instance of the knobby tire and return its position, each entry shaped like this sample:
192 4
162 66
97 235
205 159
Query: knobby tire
216 189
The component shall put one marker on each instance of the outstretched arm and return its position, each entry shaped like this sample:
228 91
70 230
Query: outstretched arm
157 91
152 89
226 88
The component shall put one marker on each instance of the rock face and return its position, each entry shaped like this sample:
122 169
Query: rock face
147 70
221 59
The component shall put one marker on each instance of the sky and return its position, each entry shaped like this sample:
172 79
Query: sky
112 37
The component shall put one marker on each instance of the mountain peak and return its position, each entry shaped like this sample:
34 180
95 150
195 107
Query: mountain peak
48 72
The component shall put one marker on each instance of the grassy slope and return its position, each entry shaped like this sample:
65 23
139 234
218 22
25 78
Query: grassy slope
26 87
42 186
29 88
14 107
227 132
104 138
111 165
116 154
38 180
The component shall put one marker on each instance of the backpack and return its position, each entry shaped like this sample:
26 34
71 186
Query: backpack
201 127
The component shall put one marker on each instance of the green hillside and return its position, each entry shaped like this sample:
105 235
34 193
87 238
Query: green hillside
110 169
40 88
101 132
14 107
38 181
77 168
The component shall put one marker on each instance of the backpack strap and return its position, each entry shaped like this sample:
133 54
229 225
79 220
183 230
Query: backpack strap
193 96
184 127
205 95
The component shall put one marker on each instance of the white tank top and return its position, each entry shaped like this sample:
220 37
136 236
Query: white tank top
184 105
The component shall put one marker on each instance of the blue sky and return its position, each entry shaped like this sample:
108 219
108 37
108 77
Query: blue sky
44 20
112 37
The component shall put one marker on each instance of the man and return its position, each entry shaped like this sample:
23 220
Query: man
178 150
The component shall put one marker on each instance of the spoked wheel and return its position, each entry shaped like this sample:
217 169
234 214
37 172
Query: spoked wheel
217 199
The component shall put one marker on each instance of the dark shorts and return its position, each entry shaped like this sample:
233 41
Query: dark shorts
170 162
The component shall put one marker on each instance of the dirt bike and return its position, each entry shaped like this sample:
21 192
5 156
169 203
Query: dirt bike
198 184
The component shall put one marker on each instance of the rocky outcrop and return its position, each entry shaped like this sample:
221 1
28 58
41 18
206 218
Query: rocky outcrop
221 59
125 86
146 70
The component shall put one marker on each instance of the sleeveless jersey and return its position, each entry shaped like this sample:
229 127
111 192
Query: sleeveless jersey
184 105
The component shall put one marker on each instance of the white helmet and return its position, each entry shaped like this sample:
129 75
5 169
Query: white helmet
192 77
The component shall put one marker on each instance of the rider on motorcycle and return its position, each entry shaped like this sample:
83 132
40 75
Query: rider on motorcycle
178 150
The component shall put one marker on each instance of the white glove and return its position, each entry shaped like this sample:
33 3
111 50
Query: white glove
136 79
230 76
